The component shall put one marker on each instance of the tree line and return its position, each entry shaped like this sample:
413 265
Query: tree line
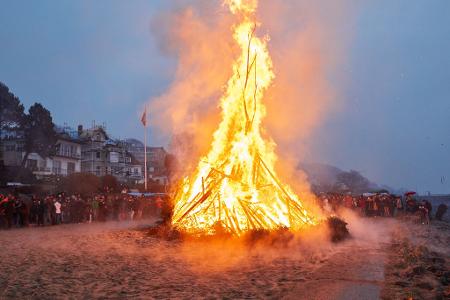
36 126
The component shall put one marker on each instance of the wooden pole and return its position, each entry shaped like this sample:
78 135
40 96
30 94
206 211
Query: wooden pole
145 151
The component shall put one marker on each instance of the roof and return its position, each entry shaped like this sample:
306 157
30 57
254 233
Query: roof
68 134
134 142
86 134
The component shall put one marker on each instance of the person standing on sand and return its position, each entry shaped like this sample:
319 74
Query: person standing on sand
48 210
18 218
424 218
441 210
58 211
362 205
3 206
25 211
376 205
41 212
348 201
386 206
159 204
33 210
94 206
398 206
411 205
2 211
9 210
429 208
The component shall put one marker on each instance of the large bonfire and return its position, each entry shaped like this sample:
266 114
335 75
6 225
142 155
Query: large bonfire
235 187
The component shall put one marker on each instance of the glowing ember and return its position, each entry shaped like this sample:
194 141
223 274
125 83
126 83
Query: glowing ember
235 187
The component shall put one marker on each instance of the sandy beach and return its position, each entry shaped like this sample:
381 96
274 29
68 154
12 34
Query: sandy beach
121 260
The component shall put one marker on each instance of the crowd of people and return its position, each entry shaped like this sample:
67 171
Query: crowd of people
382 205
22 211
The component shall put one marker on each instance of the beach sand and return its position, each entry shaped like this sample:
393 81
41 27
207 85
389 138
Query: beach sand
121 260
418 262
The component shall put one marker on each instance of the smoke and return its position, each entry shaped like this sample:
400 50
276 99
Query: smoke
200 36
308 42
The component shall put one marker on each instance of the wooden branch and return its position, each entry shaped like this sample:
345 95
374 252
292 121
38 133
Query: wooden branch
248 67
281 188
229 219
247 214
203 198
254 97
203 186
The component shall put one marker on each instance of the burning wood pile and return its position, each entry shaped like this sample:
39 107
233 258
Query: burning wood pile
235 187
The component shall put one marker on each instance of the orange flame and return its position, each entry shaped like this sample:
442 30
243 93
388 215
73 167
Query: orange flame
235 186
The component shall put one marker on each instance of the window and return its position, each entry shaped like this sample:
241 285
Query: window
42 164
32 164
98 154
114 157
70 167
97 172
56 167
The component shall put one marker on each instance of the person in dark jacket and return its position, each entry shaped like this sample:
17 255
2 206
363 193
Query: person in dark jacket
9 211
41 211
34 210
429 207
440 212
25 212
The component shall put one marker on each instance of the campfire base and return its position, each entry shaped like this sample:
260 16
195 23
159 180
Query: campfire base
338 232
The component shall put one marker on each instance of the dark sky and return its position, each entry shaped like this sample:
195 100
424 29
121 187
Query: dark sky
98 60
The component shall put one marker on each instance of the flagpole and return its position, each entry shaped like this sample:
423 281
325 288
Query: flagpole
145 149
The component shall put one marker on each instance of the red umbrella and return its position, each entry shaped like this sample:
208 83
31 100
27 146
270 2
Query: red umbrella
410 193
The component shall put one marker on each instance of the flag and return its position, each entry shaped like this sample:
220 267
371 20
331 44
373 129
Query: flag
144 117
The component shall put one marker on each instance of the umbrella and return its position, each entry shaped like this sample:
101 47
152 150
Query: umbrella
410 193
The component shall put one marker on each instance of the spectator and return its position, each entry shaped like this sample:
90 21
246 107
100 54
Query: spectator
441 210
159 205
398 205
41 212
58 211
94 207
411 205
423 210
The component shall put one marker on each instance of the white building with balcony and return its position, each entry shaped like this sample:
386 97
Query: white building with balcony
65 161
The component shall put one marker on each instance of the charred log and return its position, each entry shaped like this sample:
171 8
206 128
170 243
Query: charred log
338 229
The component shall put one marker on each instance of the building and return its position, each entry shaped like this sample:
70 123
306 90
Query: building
65 161
67 158
102 155
156 156
88 150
